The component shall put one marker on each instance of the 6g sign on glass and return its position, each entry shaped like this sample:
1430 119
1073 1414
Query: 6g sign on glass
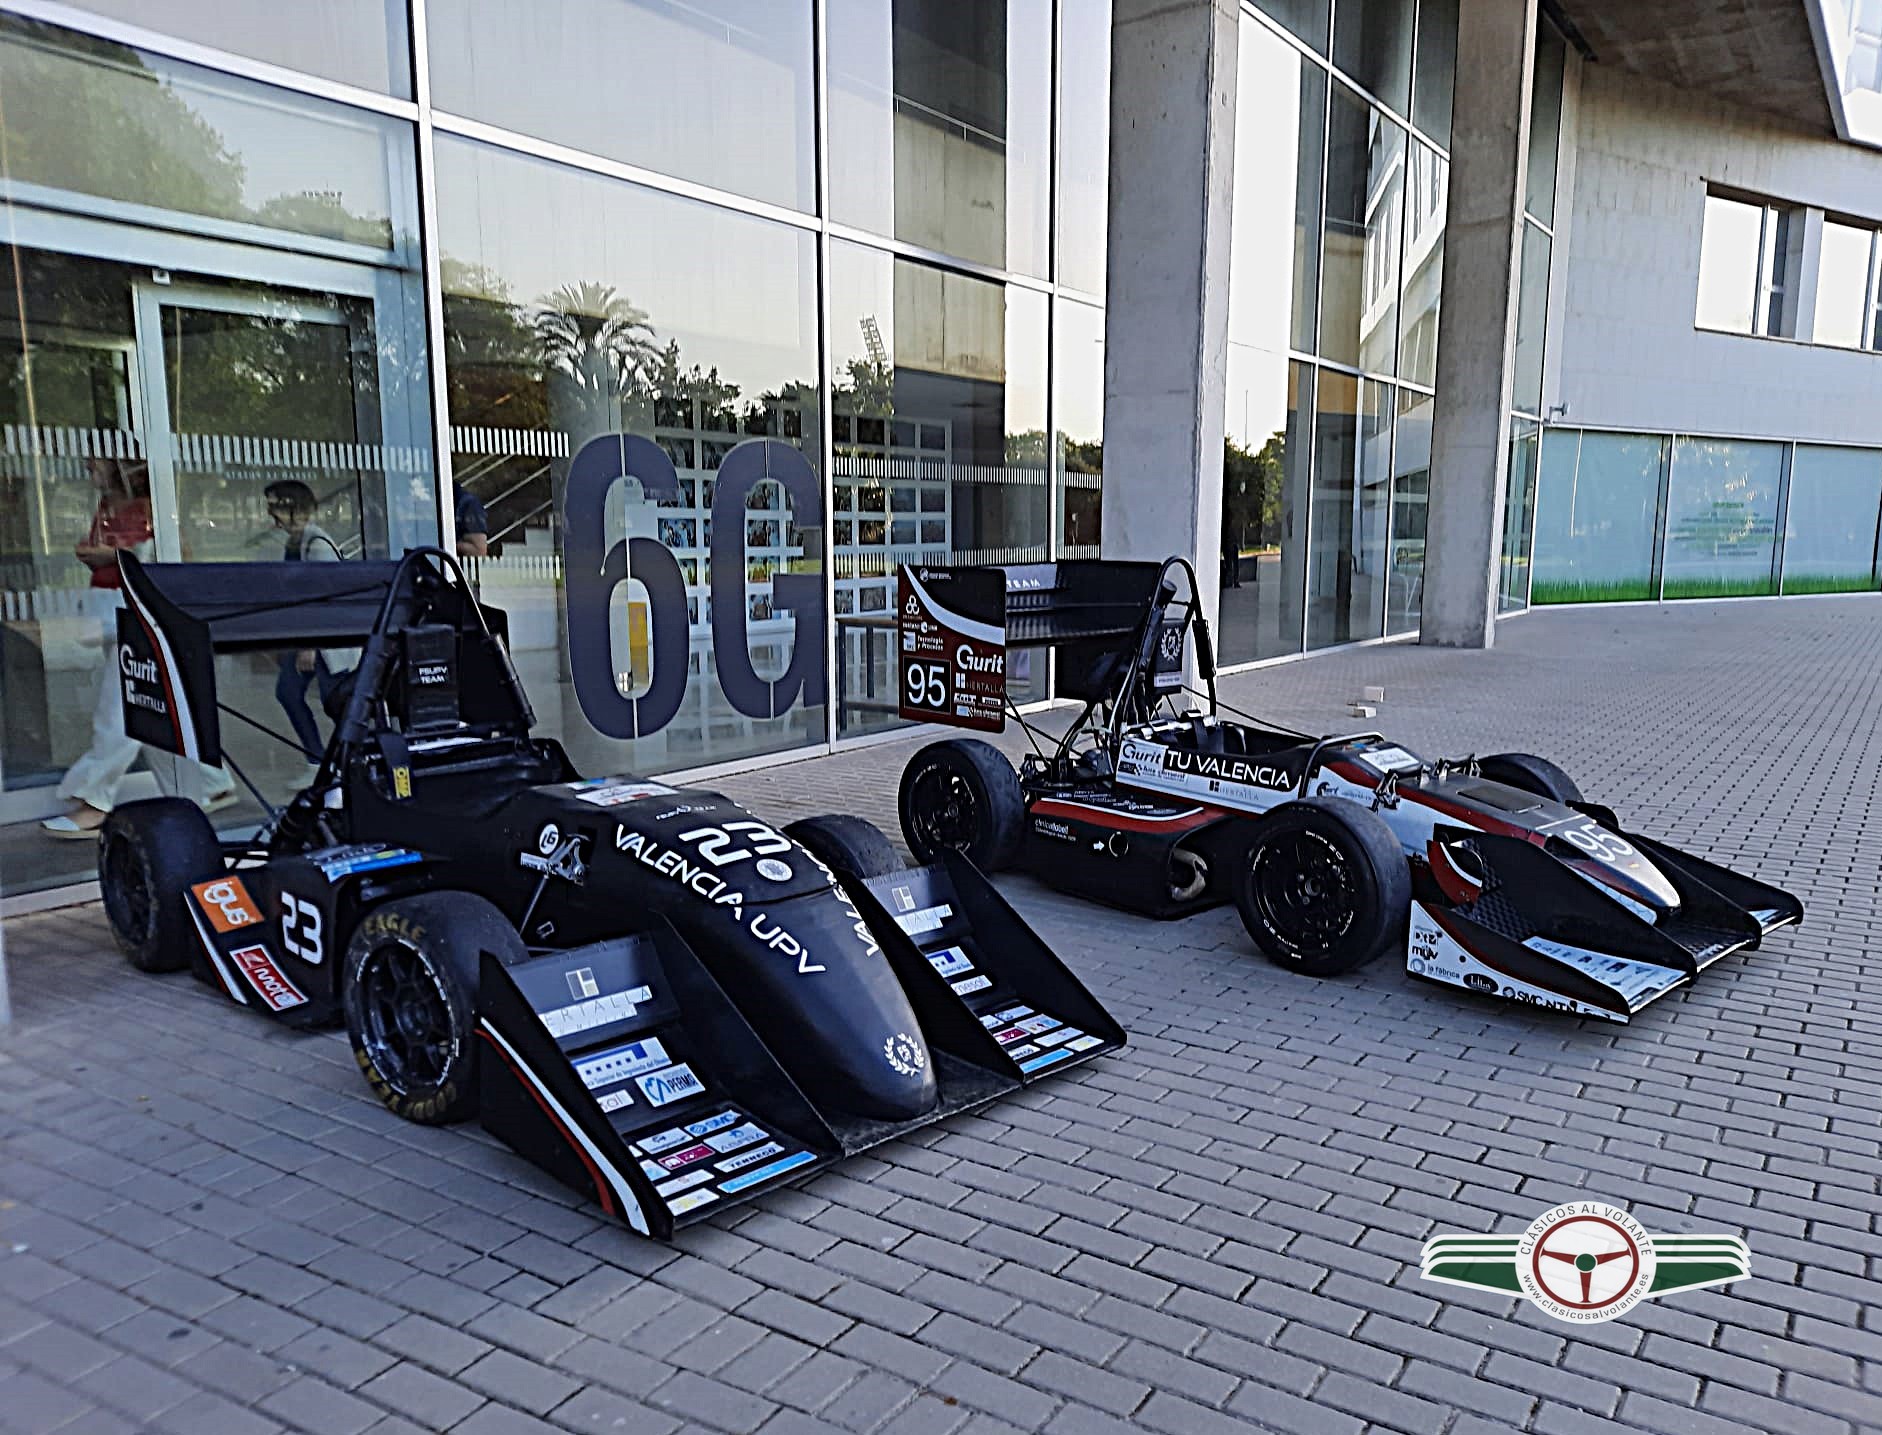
596 568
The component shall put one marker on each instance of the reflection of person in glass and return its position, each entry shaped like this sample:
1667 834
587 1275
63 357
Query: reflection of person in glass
292 506
473 523
120 523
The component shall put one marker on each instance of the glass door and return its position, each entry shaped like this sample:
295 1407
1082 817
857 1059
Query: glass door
251 389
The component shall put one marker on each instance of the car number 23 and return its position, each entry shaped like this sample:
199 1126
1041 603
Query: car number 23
736 841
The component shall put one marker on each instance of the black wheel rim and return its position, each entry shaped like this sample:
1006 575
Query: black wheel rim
943 811
405 1021
128 899
1305 890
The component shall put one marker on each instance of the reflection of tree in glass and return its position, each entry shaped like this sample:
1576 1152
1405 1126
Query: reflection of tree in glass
596 337
1251 494
89 115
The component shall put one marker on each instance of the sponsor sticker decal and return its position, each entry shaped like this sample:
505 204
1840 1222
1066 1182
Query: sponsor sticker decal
1084 1043
668 1139
765 1173
613 791
950 961
615 1100
1063 1034
714 1123
265 977
684 1183
692 1199
971 985
618 1063
738 1136
680 1159
1046 1059
773 870
225 901
676 1083
1586 1261
1025 1049
927 919
749 1158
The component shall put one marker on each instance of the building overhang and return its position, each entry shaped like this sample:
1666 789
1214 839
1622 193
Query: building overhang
1774 56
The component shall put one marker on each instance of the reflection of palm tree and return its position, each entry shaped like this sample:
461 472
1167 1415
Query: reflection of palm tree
596 336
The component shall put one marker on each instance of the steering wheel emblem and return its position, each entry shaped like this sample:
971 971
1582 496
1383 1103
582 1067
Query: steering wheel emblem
1591 1264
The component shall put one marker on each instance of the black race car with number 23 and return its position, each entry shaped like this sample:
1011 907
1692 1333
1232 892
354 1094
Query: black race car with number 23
647 990
1492 874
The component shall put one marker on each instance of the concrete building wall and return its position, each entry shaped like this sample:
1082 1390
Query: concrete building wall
1627 354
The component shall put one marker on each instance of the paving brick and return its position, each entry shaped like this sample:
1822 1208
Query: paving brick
1226 1215
429 1400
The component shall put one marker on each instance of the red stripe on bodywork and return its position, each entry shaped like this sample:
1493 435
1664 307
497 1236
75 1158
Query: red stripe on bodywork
594 1173
1097 816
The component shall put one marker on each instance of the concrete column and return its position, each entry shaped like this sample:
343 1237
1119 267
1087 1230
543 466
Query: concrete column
1801 263
1173 65
1496 47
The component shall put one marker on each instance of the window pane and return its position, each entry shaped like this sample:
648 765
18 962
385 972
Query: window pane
1360 257
1427 198
1411 501
940 124
1351 502
1728 265
1084 141
1306 18
1830 522
1518 509
658 319
110 123
717 91
1264 505
1545 123
1843 284
939 414
1372 45
359 42
1597 514
1435 68
1078 377
1275 242
1532 315
1721 517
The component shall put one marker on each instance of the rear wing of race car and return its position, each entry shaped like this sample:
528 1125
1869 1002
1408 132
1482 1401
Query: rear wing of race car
954 627
625 1071
178 616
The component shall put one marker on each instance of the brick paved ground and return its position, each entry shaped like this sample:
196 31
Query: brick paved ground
207 1226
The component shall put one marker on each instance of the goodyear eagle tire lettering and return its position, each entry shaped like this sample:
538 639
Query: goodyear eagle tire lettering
410 998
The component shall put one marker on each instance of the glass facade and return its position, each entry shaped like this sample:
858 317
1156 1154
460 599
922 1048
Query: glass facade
1632 516
1341 190
720 346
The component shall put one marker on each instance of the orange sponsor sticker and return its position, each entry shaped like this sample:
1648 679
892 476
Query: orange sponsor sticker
225 901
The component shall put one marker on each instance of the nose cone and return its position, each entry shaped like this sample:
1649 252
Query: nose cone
896 1081
1634 881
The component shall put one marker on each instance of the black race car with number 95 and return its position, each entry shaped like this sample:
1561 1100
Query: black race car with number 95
646 989
1493 874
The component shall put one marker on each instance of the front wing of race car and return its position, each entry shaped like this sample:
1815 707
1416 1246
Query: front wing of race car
624 1068
1535 931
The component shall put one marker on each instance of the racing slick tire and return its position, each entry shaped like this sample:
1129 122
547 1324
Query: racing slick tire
848 846
150 854
410 997
1324 886
962 794
1529 773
